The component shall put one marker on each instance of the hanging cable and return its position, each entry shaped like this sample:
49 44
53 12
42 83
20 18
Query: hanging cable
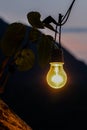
61 21
66 16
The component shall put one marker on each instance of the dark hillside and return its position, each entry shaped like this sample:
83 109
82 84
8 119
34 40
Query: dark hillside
28 94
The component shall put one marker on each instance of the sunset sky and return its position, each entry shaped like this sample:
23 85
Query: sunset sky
75 42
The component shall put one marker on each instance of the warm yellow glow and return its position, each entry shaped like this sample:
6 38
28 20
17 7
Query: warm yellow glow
56 77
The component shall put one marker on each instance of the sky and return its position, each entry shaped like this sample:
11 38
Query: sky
75 42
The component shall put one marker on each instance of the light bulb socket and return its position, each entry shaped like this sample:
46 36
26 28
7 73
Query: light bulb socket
57 55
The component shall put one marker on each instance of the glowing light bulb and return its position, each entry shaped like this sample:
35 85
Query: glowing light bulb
56 77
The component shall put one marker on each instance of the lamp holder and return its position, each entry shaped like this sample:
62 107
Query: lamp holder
57 55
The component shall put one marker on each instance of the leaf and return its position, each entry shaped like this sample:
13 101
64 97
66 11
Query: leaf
50 37
34 19
13 38
34 35
44 51
25 60
49 27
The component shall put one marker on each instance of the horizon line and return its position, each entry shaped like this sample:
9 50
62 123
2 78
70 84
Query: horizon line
74 30
65 29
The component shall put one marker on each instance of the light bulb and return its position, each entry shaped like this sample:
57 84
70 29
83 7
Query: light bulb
56 76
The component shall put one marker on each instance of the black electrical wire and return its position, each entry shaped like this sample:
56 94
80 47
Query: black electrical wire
62 20
66 16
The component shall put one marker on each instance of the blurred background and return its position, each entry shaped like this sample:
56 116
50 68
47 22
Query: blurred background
27 93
